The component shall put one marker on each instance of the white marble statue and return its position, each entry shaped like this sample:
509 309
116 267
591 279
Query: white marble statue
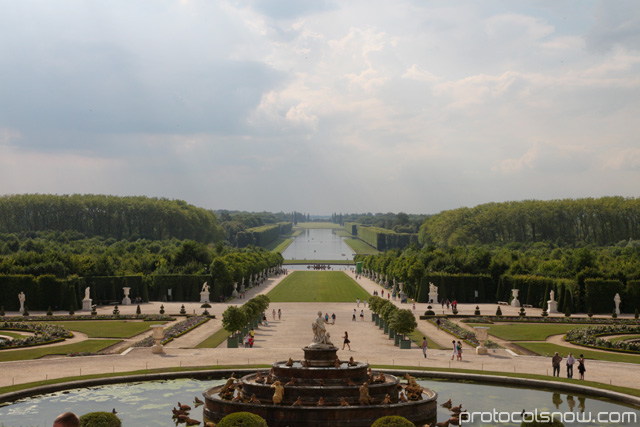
205 288
87 292
320 335
552 295
21 298
617 300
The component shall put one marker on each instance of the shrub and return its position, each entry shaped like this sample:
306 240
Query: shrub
429 311
522 312
567 311
637 314
100 419
26 311
2 311
477 312
49 312
183 310
614 315
138 311
162 309
392 421
498 312
115 310
590 313
244 419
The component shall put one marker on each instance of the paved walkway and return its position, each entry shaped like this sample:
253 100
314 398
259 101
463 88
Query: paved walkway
284 338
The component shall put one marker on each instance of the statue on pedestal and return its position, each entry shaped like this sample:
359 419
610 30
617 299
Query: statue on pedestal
86 302
617 300
204 293
321 337
22 299
552 303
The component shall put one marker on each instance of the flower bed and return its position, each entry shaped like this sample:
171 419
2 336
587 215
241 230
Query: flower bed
145 317
44 333
462 333
540 319
174 331
592 337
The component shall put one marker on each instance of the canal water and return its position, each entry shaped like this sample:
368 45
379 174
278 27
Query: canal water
150 403
318 244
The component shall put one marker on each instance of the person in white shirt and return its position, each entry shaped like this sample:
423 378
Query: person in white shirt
570 362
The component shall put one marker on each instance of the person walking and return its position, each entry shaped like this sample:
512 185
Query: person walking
273 314
279 314
459 348
353 319
581 367
570 362
358 302
555 362
454 353
361 315
438 323
346 341
333 318
425 347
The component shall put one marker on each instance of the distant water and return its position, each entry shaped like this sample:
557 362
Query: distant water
318 244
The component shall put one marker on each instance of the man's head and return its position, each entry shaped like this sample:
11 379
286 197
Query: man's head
68 419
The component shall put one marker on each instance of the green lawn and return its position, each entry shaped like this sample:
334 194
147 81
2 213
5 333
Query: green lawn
108 328
13 335
278 245
91 346
343 233
548 349
416 337
317 286
624 338
360 247
527 331
214 340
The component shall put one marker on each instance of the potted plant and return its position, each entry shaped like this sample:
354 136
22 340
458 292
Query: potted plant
233 319
404 322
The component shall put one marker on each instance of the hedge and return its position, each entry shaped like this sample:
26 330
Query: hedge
459 287
599 294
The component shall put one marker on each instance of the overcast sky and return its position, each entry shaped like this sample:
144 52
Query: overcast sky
321 106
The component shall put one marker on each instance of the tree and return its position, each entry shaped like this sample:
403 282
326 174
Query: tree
233 319
403 321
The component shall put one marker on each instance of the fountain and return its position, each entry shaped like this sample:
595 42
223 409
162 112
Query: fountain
321 390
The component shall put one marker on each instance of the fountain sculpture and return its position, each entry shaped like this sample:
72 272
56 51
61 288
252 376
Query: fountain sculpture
321 390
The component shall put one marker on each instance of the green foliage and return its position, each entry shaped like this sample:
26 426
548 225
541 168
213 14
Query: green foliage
392 421
182 309
26 311
234 319
636 314
387 311
161 308
100 419
242 419
403 322
599 294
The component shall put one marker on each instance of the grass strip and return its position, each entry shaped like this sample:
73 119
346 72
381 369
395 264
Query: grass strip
279 245
360 247
317 286
87 346
107 328
320 261
549 349
526 331
317 225
215 339
416 337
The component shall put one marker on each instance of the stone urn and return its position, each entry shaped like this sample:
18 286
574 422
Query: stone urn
158 336
481 336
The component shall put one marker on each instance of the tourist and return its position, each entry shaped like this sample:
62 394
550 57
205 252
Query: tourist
438 323
414 307
333 318
442 302
68 419
346 341
555 362
251 341
361 315
326 317
570 362
358 302
454 353
246 341
425 346
273 314
279 314
459 348
581 367
383 293
353 319
365 303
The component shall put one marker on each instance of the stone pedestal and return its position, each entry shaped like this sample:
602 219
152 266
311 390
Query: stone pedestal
86 304
235 290
514 301
433 297
204 297
481 335
126 300
158 336
553 306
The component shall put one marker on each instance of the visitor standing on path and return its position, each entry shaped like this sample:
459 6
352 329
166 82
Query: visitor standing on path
361 315
346 341
570 362
279 314
273 313
454 353
438 323
333 318
555 362
581 367
425 346
459 348
353 319
358 302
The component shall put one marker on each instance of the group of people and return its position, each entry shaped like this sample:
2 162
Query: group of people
570 362
249 339
453 305
457 350
353 318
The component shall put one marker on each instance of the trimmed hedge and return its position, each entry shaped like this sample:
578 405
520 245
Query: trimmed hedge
100 419
244 419
460 287
599 293
392 421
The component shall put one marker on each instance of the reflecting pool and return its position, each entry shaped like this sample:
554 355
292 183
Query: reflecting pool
318 244
150 403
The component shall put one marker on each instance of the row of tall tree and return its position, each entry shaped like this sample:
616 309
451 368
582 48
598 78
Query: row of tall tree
109 216
603 221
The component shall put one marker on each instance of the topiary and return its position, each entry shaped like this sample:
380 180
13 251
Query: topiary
26 311
499 312
614 315
49 312
162 309
636 315
244 419
590 313
392 421
183 310
138 311
2 311
477 312
100 419
115 310
522 312
567 311
429 311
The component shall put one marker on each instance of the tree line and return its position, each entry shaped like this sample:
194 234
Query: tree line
115 217
567 222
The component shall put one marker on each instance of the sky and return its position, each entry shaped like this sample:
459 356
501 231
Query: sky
321 106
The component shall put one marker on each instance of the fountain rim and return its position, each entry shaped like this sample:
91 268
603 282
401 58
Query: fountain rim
427 374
